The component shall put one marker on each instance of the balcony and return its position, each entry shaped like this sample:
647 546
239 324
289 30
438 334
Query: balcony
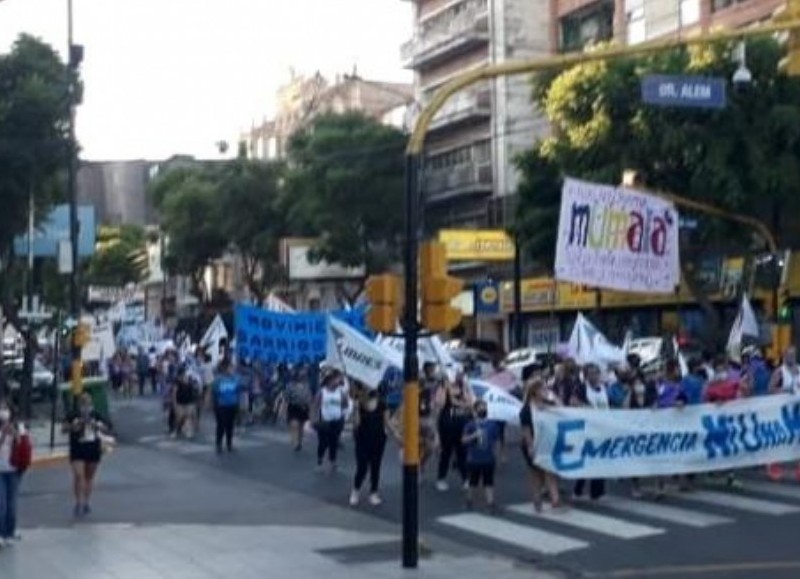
454 31
469 106
457 181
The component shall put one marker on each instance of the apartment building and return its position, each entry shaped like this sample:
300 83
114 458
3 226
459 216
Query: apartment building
469 173
305 97
577 23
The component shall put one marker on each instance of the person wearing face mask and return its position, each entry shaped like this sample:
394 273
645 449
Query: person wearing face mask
591 394
330 411
455 407
9 478
84 426
371 424
480 438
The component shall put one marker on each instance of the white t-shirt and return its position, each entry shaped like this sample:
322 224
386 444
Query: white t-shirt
597 398
790 379
331 405
5 455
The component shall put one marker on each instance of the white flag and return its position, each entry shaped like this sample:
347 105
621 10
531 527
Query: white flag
215 333
745 324
357 356
587 345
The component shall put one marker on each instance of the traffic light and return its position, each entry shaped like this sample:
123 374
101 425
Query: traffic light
383 293
784 309
438 289
82 335
791 63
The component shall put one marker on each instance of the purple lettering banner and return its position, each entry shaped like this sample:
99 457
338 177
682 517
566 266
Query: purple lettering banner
617 238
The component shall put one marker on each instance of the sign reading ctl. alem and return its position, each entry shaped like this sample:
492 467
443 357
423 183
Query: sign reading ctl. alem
684 91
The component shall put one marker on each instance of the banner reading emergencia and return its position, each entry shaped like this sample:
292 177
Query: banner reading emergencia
588 443
617 238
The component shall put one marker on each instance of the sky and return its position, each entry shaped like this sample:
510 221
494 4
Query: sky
166 77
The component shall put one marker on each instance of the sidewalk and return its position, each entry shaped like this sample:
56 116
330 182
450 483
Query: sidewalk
157 515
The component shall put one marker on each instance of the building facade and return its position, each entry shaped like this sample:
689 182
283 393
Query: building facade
304 98
118 191
471 145
577 23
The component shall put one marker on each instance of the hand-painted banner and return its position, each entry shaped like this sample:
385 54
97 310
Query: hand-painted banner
286 337
588 443
617 238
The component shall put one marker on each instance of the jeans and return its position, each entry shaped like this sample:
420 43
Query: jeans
9 487
450 433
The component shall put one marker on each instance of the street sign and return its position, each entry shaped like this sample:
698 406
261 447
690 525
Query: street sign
684 91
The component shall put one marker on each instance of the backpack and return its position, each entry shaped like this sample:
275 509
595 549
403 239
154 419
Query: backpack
21 453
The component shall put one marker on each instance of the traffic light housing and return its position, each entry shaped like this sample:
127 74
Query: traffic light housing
82 335
791 63
438 289
384 295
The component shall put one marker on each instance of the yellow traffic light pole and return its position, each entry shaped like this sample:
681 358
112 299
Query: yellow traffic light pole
789 22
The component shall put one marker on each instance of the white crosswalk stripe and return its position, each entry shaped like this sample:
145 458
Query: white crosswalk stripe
588 521
662 512
515 534
742 503
774 489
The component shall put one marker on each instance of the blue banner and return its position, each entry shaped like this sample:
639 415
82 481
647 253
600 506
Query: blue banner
291 338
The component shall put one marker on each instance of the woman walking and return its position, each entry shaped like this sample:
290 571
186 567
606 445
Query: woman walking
298 407
371 425
455 403
9 477
84 426
537 399
330 410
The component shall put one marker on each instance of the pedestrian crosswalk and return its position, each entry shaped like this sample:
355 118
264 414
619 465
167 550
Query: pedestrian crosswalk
203 444
582 525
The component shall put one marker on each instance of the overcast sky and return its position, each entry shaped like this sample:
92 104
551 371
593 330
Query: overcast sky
176 76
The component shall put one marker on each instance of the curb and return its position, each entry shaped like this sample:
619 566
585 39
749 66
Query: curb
55 459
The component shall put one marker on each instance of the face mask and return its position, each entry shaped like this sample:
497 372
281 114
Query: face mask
5 415
481 414
372 404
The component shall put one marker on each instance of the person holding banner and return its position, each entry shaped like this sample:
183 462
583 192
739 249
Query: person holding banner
785 380
454 401
537 397
480 438
330 411
593 394
371 423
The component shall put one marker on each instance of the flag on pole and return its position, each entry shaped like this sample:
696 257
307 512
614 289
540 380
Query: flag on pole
215 333
745 325
357 356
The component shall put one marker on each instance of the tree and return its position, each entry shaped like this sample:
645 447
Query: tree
189 204
35 88
116 258
345 188
253 222
744 157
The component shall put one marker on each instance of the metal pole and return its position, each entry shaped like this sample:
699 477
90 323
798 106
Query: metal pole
54 391
517 294
74 282
27 382
411 369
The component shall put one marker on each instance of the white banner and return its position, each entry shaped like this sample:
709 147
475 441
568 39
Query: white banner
215 333
500 405
429 349
617 238
357 356
587 443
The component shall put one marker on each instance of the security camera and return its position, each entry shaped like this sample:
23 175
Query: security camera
742 78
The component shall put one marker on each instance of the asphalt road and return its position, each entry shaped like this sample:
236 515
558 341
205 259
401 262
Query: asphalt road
715 532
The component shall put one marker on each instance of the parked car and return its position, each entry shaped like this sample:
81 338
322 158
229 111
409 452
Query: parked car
42 377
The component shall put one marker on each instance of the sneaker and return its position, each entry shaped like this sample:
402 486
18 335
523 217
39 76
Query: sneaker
355 498
442 486
375 500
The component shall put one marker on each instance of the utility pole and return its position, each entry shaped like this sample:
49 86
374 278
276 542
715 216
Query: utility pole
75 56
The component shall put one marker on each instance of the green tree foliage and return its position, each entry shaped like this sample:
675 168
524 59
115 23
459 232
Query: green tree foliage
744 158
34 137
345 188
116 261
253 221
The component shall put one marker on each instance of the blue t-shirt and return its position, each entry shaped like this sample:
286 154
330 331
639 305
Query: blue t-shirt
481 451
226 390
692 387
617 393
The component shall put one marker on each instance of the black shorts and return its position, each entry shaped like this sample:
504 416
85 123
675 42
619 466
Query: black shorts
90 452
297 413
481 474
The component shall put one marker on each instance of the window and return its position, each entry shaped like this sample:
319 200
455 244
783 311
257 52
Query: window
690 12
717 5
636 28
588 26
